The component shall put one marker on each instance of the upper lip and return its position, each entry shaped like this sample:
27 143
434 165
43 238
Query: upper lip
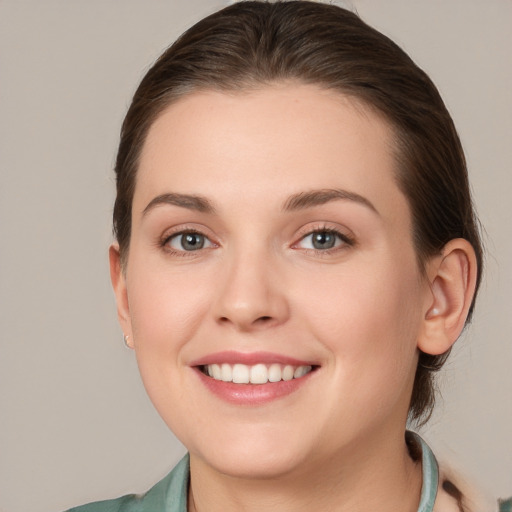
251 358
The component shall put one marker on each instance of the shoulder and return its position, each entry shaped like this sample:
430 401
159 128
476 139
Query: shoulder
168 495
126 503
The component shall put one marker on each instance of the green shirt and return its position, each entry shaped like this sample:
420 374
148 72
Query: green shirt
170 494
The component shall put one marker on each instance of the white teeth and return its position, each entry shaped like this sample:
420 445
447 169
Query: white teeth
240 374
226 373
274 373
288 372
259 374
216 372
256 374
300 372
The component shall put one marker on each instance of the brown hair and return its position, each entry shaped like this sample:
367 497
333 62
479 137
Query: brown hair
251 44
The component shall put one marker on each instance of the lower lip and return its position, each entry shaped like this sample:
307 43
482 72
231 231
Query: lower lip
252 394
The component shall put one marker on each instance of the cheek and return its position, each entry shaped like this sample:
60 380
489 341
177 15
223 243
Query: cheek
165 306
166 309
369 319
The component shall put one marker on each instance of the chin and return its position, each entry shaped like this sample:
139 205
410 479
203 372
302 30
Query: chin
258 467
253 457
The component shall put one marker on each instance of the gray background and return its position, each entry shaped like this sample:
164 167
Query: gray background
75 424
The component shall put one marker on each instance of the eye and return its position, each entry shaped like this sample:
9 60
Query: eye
188 241
322 240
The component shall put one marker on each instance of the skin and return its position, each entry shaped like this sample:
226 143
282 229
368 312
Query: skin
358 311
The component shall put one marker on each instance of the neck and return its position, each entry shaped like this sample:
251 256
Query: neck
376 476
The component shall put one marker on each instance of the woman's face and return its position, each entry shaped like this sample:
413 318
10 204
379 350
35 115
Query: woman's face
270 238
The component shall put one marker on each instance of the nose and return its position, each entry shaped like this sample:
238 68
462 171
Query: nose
251 294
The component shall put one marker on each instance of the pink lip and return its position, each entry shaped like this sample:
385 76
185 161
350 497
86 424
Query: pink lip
252 358
251 394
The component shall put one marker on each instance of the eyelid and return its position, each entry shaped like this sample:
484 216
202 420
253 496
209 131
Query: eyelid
206 241
169 234
346 237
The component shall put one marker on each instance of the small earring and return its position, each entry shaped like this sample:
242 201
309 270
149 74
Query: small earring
125 339
434 312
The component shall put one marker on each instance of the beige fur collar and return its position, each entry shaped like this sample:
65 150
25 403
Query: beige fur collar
454 494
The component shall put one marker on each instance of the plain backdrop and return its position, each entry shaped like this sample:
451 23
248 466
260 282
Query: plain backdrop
75 424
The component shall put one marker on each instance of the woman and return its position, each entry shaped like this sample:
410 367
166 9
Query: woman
296 255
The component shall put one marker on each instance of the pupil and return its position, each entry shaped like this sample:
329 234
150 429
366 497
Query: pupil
323 240
192 241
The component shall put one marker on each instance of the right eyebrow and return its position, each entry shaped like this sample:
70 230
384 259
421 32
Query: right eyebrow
191 202
312 198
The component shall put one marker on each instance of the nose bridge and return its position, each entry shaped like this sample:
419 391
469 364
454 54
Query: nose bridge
250 295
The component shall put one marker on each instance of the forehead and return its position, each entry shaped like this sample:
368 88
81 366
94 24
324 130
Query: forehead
277 140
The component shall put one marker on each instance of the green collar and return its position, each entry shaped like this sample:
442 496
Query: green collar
430 475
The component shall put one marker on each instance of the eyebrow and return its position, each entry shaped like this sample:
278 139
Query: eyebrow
300 201
313 198
191 202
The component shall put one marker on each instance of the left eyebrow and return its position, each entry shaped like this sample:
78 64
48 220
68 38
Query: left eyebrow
312 198
188 201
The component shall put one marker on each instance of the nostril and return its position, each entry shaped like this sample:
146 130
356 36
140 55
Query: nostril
248 323
263 319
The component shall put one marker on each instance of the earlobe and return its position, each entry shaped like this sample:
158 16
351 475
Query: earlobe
118 280
452 278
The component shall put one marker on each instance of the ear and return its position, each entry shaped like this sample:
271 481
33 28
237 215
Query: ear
119 285
452 279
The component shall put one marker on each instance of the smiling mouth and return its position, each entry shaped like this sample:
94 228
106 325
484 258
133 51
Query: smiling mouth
255 374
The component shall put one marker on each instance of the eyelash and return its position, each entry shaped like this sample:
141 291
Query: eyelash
346 241
164 242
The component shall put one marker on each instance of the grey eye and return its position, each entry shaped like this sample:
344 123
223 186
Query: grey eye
323 240
188 242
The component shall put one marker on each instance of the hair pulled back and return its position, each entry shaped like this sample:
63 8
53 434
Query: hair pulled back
252 44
